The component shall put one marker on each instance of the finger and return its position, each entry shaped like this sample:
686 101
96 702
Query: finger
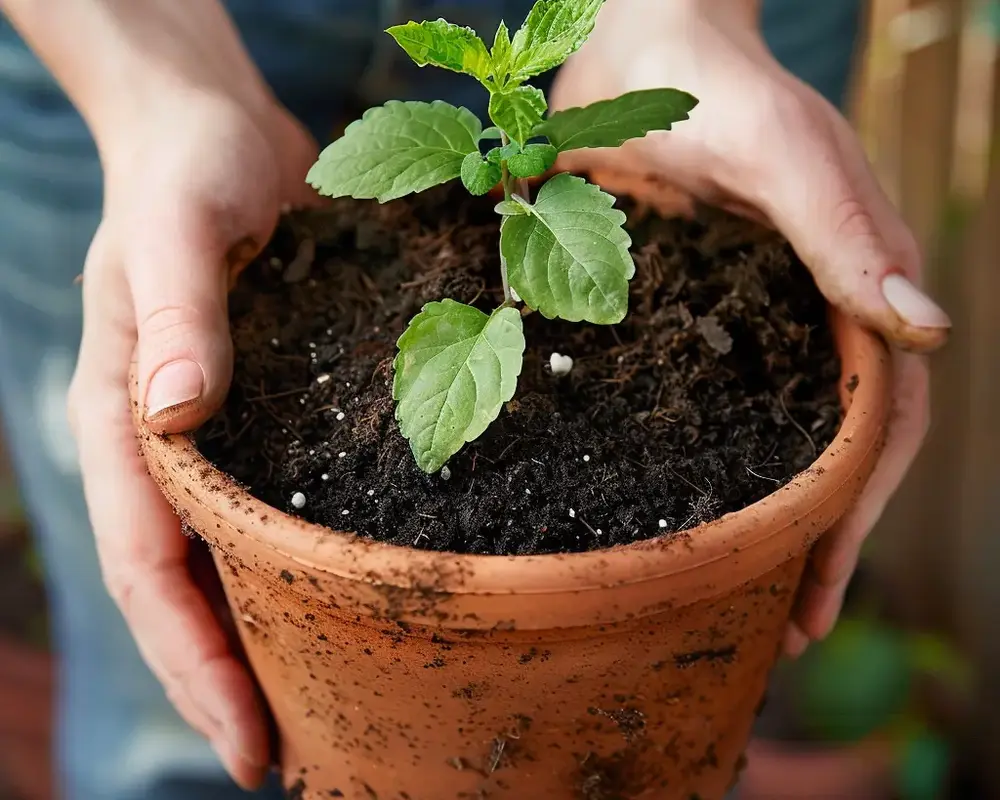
795 642
836 554
144 559
142 551
622 174
178 274
824 198
818 605
298 155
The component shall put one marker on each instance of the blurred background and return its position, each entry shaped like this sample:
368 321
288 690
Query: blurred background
903 701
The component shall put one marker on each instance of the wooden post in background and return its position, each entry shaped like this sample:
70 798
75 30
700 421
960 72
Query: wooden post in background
907 549
937 549
977 589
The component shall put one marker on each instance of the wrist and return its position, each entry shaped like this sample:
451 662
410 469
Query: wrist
154 100
159 62
641 31
738 20
122 62
710 23
737 13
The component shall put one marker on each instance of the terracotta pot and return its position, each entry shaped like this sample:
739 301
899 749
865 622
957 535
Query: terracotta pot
627 673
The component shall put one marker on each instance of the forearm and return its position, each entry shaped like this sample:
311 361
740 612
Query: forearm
114 58
674 16
636 31
738 11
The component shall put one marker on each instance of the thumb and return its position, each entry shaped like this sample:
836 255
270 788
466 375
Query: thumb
178 279
863 257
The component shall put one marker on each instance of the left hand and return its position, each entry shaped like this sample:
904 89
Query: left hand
763 144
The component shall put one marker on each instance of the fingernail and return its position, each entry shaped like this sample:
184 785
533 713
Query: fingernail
916 308
173 385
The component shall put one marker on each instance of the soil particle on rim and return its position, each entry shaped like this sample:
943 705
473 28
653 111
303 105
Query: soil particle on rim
717 389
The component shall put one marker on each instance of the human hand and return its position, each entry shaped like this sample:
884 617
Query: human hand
763 144
192 191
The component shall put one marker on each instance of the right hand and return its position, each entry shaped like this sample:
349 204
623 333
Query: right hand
756 132
192 190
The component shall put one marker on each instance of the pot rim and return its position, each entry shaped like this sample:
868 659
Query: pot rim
766 525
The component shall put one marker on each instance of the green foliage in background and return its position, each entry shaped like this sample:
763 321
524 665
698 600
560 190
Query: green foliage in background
854 682
860 682
991 14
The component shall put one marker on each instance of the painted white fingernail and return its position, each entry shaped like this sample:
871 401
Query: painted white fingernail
916 308
173 385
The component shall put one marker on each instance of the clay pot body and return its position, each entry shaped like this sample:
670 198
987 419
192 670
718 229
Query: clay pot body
626 673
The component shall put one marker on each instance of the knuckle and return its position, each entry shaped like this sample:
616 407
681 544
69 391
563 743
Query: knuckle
120 588
852 220
170 324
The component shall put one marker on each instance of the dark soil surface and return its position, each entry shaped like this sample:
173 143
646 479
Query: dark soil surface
717 389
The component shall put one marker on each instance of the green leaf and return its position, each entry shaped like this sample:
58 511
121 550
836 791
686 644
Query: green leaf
501 54
854 682
609 123
534 159
510 208
923 767
497 154
442 44
518 112
455 369
492 132
568 256
397 149
479 175
553 31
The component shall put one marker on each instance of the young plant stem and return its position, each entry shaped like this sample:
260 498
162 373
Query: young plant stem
505 178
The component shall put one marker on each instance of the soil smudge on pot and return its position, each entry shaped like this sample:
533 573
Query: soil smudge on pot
716 390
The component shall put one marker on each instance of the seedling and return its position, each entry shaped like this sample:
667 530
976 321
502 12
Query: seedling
565 255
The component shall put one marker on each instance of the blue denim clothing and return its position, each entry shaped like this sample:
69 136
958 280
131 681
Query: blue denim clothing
118 738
